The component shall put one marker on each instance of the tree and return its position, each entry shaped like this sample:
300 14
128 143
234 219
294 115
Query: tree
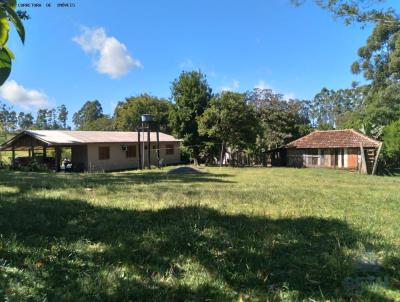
104 123
89 112
7 15
12 121
230 120
330 109
281 120
41 119
352 11
25 121
191 95
127 114
380 57
62 116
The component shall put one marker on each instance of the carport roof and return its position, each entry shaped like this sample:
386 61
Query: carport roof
70 138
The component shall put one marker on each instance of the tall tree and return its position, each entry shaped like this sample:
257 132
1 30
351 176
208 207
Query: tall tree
12 121
281 120
104 123
62 116
230 120
25 120
41 119
127 114
89 112
191 95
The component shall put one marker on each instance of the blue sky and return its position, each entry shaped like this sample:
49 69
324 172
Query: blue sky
108 50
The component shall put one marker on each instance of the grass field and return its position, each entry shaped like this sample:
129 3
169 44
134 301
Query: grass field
227 234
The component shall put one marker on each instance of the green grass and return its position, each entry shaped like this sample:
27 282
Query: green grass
226 234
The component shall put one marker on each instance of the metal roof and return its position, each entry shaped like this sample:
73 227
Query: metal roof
347 138
69 138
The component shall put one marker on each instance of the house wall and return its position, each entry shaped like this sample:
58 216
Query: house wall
295 157
353 158
328 158
119 161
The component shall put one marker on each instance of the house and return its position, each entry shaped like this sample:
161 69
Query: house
333 149
96 150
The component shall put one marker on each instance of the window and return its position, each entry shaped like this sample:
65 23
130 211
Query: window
131 151
104 153
169 149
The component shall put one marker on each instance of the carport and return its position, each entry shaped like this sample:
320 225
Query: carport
39 145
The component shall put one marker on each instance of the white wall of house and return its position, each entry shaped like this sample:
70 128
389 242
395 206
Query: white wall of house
118 159
346 158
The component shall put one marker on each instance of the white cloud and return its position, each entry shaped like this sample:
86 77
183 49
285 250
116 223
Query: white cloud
232 87
262 85
111 56
187 64
286 95
18 95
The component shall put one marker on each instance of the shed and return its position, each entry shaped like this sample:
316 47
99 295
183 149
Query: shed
333 149
94 150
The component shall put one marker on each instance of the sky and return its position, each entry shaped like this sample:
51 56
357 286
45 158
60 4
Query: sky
109 50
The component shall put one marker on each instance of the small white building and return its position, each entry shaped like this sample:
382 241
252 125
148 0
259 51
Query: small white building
96 150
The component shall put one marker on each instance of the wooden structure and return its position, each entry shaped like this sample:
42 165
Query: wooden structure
96 150
344 149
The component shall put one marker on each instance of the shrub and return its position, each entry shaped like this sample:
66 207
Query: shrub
391 147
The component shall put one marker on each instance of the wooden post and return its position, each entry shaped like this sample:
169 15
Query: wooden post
376 159
143 153
158 146
44 152
363 168
13 157
148 148
33 151
58 158
139 148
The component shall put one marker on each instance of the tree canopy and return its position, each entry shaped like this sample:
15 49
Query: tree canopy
191 95
230 120
281 120
90 111
127 114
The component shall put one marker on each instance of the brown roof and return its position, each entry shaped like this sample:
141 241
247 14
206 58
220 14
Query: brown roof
68 138
334 139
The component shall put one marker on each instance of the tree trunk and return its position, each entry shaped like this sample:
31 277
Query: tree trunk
221 159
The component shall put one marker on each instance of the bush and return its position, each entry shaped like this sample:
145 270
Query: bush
391 147
35 166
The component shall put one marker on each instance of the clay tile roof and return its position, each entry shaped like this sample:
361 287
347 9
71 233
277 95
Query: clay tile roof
348 138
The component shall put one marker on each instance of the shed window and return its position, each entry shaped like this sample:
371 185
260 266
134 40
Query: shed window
104 153
169 149
131 151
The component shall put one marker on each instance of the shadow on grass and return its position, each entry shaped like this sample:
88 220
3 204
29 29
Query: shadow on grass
27 181
70 250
